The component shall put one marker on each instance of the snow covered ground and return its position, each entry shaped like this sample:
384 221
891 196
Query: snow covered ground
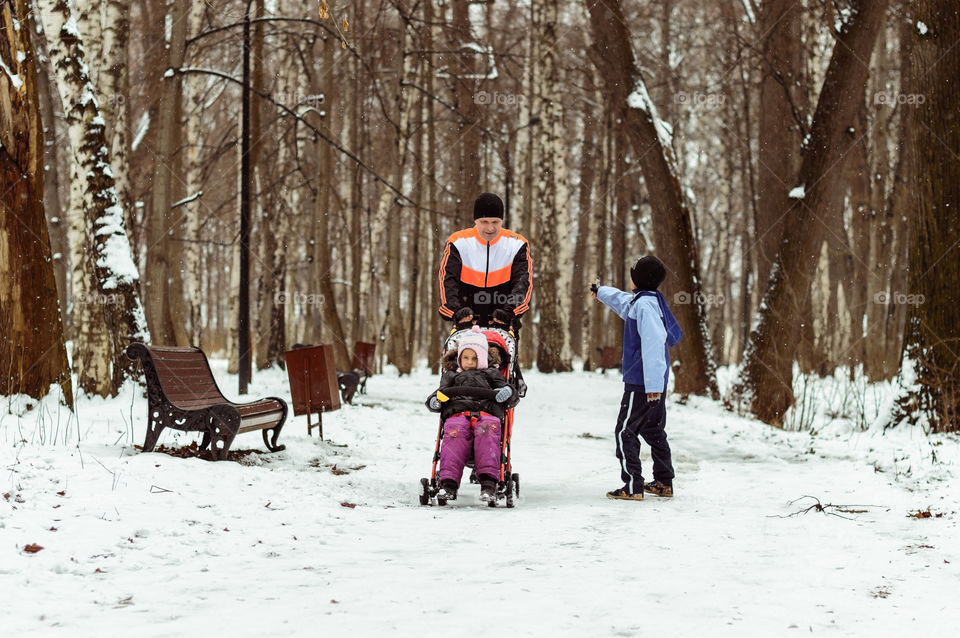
285 545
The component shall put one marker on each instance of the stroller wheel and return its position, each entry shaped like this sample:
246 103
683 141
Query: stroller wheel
516 484
425 495
441 501
509 489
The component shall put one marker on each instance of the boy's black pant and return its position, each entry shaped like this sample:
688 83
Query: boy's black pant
641 418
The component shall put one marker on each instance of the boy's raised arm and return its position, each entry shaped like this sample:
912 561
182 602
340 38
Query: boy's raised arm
616 299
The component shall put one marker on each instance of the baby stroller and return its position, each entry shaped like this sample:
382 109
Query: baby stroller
508 484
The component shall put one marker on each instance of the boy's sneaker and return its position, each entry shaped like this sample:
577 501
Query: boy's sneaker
623 494
448 490
658 488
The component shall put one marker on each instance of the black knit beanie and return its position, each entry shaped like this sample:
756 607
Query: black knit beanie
488 205
648 273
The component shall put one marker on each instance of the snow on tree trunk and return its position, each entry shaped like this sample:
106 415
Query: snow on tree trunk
114 85
931 369
551 251
649 137
32 350
110 314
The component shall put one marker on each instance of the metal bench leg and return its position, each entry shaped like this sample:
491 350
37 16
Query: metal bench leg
221 430
271 442
154 428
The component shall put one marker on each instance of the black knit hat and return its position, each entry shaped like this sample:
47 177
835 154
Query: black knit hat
648 273
488 205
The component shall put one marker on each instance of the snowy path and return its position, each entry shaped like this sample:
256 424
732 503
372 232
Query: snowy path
268 549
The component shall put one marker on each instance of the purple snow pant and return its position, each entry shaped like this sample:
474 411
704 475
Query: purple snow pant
460 436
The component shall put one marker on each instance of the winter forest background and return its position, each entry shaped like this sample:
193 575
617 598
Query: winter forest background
794 163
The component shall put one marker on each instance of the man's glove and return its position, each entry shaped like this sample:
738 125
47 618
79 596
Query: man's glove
464 315
502 315
434 403
503 394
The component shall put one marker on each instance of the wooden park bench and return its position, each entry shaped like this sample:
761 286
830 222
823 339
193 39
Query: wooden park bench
182 394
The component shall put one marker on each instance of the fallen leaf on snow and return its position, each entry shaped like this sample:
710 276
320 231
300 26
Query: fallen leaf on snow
32 548
925 514
350 505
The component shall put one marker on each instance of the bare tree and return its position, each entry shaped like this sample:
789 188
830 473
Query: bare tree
552 245
32 353
112 315
162 260
781 122
766 378
931 369
613 55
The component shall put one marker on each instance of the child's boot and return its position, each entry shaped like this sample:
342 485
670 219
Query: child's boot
488 491
658 488
624 494
448 490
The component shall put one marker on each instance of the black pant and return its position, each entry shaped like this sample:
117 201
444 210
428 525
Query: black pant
641 418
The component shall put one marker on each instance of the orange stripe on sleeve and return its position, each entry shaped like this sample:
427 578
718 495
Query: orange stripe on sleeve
526 298
443 270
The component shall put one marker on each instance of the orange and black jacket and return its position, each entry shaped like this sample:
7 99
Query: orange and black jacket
485 275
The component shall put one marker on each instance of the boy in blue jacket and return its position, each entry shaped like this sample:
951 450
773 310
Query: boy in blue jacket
650 329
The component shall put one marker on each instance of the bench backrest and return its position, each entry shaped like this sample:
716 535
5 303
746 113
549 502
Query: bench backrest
185 377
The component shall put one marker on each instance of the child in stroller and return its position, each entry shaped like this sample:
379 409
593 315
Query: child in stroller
472 415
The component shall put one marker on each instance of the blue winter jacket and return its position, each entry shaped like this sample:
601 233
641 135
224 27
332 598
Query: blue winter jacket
648 332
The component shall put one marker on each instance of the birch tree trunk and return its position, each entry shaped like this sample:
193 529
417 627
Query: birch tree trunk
32 353
324 214
397 346
585 221
552 245
112 315
765 384
192 210
114 84
613 55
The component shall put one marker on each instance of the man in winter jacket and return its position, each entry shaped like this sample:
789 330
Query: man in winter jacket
485 273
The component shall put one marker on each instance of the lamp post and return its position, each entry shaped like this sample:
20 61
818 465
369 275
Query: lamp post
508 168
243 301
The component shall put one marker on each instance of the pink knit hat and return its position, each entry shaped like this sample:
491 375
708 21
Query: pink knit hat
476 341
